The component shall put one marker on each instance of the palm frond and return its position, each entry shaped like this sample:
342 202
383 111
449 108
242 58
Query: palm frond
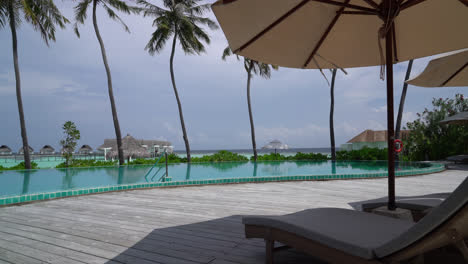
150 9
81 10
44 16
179 17
123 7
204 21
3 13
114 16
200 9
226 52
263 69
159 38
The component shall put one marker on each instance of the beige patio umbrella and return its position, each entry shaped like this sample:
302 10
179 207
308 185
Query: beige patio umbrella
312 34
446 71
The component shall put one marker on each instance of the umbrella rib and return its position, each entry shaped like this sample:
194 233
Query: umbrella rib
465 2
279 20
324 36
455 74
357 13
372 3
345 4
410 3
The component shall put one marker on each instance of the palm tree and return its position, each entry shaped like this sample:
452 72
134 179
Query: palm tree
80 15
257 68
181 20
332 108
43 15
402 100
402 103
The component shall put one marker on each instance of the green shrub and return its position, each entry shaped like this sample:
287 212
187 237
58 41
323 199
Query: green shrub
20 166
222 155
362 154
297 156
87 163
430 140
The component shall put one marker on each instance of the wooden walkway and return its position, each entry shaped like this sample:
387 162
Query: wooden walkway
179 225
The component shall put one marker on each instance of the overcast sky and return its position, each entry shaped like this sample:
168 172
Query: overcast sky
67 81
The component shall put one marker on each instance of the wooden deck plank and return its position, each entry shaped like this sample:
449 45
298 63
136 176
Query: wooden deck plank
200 224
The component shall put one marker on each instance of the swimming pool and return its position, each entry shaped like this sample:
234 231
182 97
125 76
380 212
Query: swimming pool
25 186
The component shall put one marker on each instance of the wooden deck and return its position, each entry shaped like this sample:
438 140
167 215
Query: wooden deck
179 225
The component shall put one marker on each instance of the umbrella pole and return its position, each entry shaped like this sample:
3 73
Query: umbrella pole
390 121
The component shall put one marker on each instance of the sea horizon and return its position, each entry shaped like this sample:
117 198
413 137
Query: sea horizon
248 152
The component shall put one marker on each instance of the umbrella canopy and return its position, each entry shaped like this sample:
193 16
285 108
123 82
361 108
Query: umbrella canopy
446 71
329 33
311 34
458 119
275 144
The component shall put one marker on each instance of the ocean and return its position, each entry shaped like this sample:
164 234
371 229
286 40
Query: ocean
248 152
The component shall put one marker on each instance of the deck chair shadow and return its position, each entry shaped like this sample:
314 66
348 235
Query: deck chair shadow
347 236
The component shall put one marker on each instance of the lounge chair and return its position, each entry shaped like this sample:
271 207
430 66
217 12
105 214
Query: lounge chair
347 236
458 159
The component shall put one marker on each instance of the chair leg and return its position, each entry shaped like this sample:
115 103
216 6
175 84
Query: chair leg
461 246
419 259
269 246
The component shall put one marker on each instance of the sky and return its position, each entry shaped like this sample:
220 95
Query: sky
67 81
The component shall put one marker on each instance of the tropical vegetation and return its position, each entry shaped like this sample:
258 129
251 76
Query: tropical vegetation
44 16
430 140
252 67
87 163
20 166
81 10
365 153
182 20
72 135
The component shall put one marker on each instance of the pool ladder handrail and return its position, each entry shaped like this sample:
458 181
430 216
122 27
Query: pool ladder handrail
154 165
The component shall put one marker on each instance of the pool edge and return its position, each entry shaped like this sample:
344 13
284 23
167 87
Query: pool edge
31 198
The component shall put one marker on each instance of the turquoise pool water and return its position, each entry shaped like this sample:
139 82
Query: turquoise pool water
17 183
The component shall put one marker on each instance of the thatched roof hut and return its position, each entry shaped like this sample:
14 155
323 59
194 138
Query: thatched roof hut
133 147
371 139
5 150
21 150
371 136
85 149
47 149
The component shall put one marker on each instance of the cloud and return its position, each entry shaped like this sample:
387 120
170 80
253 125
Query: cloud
408 117
39 83
381 109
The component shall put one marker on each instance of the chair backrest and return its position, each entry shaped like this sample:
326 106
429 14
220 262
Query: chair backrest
451 207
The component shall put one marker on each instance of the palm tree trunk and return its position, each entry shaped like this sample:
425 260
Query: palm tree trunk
109 86
402 104
181 115
402 100
252 128
27 159
332 107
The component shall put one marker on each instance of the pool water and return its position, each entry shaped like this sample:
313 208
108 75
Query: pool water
15 183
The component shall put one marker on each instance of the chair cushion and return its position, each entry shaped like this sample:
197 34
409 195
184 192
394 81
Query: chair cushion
354 232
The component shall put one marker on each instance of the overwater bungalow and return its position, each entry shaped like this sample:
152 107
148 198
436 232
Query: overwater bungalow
5 150
85 149
47 149
21 150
